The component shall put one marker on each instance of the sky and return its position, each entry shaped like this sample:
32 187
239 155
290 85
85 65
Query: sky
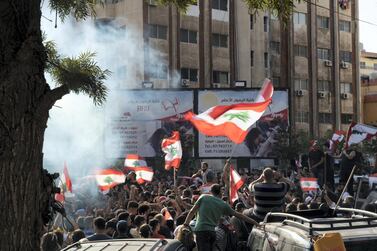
368 32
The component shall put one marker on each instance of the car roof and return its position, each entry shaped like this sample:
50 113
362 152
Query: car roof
283 228
120 245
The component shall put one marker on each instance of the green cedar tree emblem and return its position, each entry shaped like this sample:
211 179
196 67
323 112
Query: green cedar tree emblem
136 163
173 150
108 180
243 116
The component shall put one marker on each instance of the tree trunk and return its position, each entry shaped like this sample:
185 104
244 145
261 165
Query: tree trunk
24 105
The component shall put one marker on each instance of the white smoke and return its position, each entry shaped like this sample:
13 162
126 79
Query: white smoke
76 127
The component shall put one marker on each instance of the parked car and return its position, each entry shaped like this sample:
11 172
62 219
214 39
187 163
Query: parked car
297 231
128 245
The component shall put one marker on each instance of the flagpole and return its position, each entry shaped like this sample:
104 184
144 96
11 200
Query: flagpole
174 177
345 188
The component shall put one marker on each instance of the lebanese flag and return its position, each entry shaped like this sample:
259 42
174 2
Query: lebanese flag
232 121
108 178
173 149
359 132
65 185
336 139
235 184
308 184
134 162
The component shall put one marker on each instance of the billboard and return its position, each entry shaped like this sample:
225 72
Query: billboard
137 121
261 138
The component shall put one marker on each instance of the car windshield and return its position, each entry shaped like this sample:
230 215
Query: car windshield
361 245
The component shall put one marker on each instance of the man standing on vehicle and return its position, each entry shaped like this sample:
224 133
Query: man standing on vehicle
209 209
317 162
269 193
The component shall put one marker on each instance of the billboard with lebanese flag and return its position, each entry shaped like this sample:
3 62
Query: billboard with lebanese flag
260 138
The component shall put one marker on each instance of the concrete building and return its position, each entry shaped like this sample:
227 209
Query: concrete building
368 78
218 42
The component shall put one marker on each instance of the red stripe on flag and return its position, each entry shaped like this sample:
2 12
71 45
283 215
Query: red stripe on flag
109 171
134 156
229 129
169 141
221 109
68 181
174 163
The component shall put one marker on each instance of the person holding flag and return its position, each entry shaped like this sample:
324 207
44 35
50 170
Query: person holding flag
209 209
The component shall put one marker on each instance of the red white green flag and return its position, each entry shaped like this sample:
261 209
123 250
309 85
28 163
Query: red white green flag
136 163
233 121
65 184
173 151
236 183
108 178
359 132
309 184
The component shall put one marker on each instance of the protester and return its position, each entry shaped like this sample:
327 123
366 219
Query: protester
349 160
316 162
269 191
210 209
49 242
100 232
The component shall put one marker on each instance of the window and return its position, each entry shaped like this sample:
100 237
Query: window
265 24
301 51
346 118
273 17
276 81
158 71
275 47
323 22
251 22
324 118
344 26
191 74
220 4
219 40
375 67
323 54
302 117
323 85
220 77
362 65
265 60
188 36
251 58
345 56
299 18
345 88
158 31
301 84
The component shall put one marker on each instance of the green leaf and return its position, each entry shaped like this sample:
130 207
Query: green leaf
108 180
243 116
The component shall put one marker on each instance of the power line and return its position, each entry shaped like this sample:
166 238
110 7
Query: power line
335 11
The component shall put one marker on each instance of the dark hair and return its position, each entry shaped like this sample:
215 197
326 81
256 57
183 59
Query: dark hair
99 223
302 206
143 209
59 234
123 216
145 231
216 189
154 223
210 176
313 205
186 193
180 219
77 235
139 220
132 204
122 227
49 242
111 224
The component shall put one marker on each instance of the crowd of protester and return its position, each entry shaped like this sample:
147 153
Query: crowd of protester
161 210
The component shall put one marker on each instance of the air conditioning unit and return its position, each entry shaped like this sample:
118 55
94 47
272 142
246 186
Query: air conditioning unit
321 94
152 2
344 95
216 85
343 65
299 93
185 82
328 63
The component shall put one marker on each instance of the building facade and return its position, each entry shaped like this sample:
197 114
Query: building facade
218 42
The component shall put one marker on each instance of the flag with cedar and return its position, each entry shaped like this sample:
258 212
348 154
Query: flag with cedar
173 151
65 185
233 121
236 183
358 132
109 178
136 163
